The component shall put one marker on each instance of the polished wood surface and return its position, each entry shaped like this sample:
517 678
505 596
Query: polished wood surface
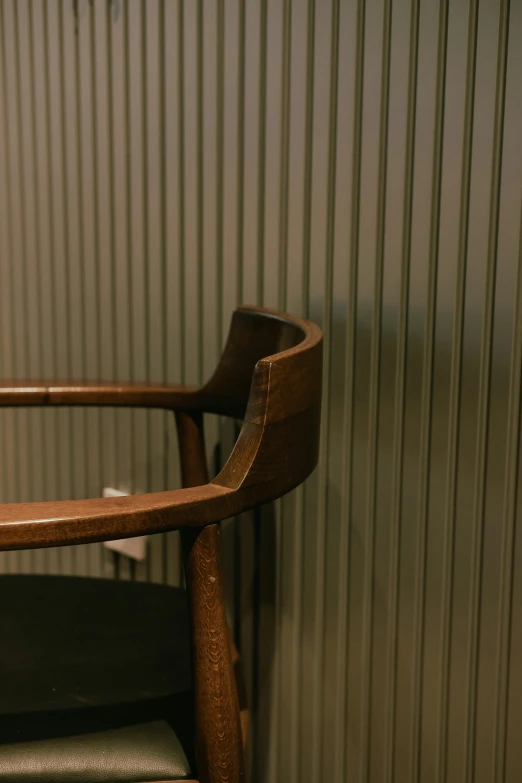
269 375
137 395
252 338
276 449
218 734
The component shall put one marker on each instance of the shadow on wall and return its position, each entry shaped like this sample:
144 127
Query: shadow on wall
368 527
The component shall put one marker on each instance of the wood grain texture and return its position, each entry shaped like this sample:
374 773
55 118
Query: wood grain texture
137 395
218 730
29 525
276 450
218 735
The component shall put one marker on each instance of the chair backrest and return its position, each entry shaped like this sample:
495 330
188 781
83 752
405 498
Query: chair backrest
255 333
270 376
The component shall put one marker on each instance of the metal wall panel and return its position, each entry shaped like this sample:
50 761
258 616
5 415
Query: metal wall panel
355 162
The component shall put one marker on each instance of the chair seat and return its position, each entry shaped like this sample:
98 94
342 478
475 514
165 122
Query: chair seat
94 681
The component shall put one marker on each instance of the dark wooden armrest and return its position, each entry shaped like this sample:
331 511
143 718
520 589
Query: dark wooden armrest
269 375
30 525
29 393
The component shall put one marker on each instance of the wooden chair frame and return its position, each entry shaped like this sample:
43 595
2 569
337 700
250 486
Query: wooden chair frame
269 376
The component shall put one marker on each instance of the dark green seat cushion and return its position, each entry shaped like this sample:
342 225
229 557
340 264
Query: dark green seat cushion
94 681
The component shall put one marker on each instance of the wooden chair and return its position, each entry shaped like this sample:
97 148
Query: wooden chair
103 680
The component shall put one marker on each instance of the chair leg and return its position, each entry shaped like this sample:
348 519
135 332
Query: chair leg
219 735
219 729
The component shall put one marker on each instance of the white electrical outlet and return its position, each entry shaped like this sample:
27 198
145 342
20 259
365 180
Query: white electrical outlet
135 548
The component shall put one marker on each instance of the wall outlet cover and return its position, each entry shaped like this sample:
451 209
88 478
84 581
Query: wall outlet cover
135 548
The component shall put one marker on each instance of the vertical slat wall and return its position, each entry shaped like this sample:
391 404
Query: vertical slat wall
355 162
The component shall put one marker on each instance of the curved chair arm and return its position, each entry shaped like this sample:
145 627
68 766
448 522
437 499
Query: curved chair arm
256 335
269 375
136 395
256 472
28 525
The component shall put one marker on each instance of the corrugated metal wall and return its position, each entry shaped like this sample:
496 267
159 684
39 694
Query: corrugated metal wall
356 162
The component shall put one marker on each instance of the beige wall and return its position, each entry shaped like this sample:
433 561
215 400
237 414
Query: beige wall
160 162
